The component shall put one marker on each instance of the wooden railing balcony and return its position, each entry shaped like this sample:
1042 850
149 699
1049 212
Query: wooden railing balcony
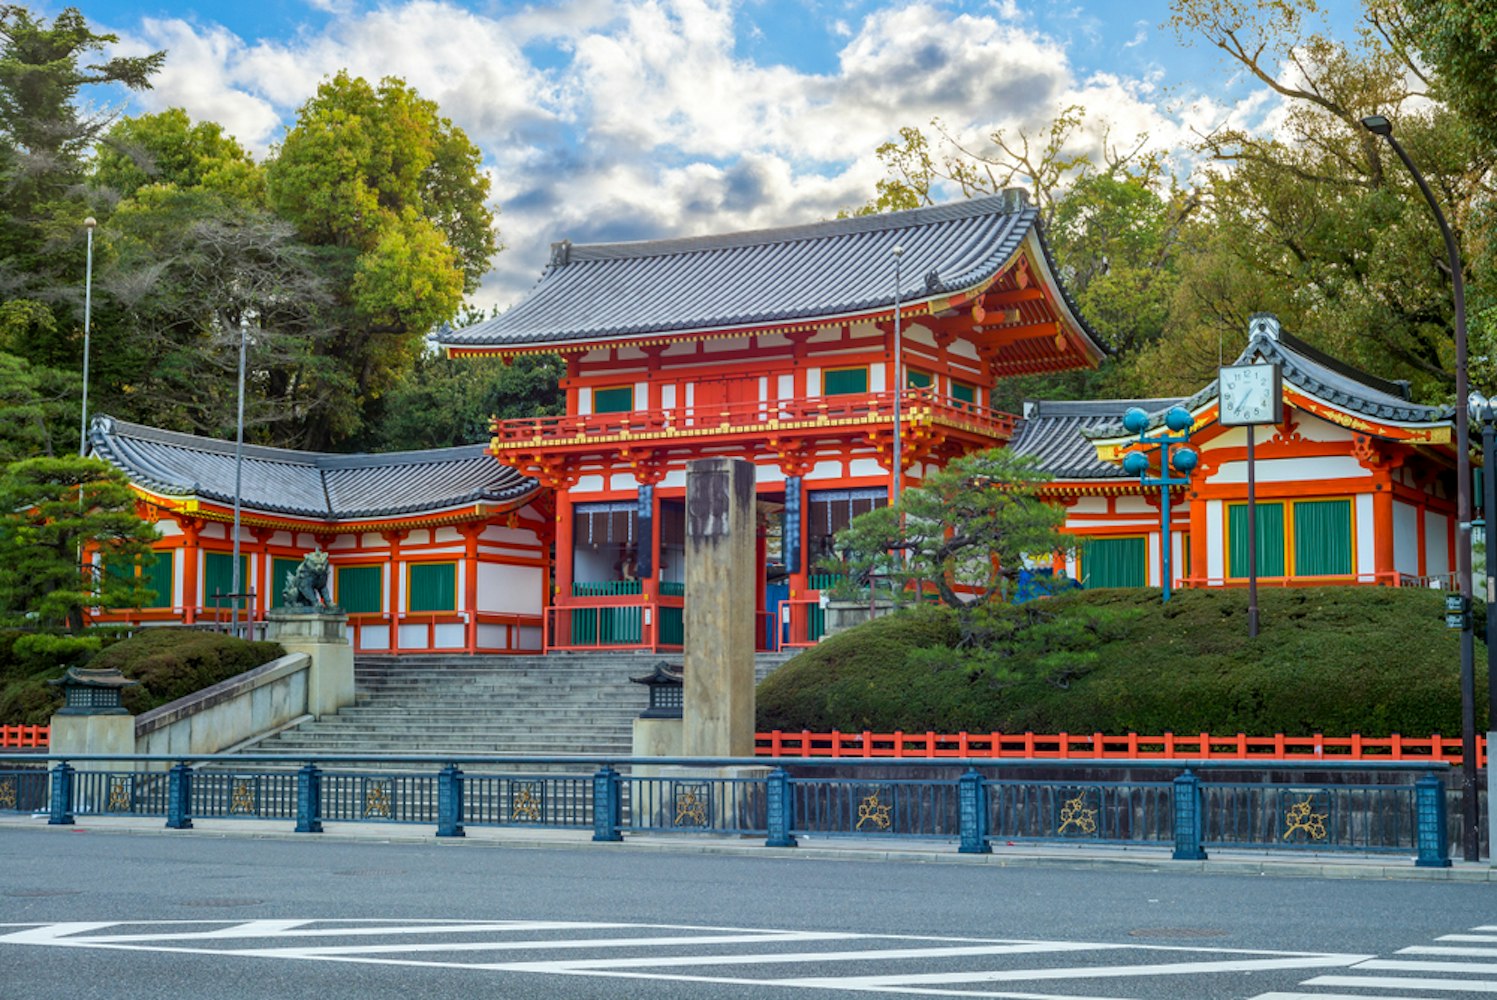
919 408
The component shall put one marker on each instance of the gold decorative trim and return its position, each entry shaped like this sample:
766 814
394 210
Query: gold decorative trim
1300 817
379 796
1075 813
872 810
121 793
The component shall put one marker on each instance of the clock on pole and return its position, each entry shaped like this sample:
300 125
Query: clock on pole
1249 395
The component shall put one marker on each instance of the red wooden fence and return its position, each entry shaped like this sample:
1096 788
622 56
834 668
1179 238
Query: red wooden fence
25 737
1170 746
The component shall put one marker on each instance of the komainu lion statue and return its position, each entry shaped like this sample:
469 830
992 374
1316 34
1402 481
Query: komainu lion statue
306 588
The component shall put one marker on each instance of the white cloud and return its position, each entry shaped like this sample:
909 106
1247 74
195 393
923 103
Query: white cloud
628 119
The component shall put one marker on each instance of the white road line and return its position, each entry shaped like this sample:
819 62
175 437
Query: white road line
1434 949
1396 965
1086 972
786 937
1468 937
1401 983
1336 996
796 958
262 929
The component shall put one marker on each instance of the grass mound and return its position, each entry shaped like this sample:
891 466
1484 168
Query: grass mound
1333 660
168 662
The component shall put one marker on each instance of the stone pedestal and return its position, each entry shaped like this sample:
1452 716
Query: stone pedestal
840 616
721 574
323 636
78 734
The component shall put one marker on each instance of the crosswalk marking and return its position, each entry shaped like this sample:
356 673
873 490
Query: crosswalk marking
820 960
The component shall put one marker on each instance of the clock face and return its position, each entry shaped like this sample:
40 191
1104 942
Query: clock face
1250 395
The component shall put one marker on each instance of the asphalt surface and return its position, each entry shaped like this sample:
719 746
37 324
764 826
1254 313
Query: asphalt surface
124 912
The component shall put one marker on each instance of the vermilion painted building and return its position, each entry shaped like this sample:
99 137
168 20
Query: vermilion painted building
778 347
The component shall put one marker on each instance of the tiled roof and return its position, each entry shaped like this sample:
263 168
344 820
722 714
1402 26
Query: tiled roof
1312 372
1052 432
790 274
305 483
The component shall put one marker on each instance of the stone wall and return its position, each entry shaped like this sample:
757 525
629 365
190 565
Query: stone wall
255 703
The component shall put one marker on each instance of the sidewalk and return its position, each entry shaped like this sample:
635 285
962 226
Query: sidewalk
1151 859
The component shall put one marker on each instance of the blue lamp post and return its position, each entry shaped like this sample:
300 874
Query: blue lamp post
1176 434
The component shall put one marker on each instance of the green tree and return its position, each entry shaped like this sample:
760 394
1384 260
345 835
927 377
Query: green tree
37 410
50 510
443 402
964 532
391 195
168 148
44 137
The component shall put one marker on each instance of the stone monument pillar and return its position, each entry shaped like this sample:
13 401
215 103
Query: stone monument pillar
718 710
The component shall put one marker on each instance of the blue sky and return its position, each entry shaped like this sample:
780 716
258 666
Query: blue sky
630 119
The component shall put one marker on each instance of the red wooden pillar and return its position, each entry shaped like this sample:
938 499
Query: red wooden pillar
760 560
191 530
1382 535
392 538
470 533
564 543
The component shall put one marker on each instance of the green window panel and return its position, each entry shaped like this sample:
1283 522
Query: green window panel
844 381
964 393
1115 562
359 590
606 588
1270 540
156 576
619 399
918 379
433 587
218 576
1322 538
672 627
280 566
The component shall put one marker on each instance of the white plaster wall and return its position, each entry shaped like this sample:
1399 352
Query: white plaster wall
668 396
1366 562
641 395
500 533
786 386
179 559
1113 522
374 637
865 467
1405 538
825 470
1436 543
1089 505
345 542
281 538
1313 428
919 335
214 530
1132 505
813 382
770 473
448 535
1294 470
584 400
622 481
725 345
674 479
1216 546
963 349
877 380
168 528
588 484
418 536
1153 556
679 348
510 589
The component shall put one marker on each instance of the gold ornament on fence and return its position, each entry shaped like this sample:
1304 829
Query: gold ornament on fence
119 795
525 806
871 810
1074 813
1300 817
377 799
691 807
8 793
242 797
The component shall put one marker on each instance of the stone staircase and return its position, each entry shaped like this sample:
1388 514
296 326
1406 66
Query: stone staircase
560 703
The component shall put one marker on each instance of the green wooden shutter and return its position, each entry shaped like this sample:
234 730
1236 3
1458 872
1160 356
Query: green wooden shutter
915 379
156 576
1322 538
1115 562
844 381
1270 539
433 587
963 393
616 400
218 576
359 589
279 567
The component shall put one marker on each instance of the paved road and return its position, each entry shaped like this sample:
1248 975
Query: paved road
123 916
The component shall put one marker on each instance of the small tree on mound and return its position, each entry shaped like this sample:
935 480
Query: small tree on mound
963 532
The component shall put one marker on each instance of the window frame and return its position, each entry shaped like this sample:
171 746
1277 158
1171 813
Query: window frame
1290 556
410 586
826 373
339 570
1081 560
600 390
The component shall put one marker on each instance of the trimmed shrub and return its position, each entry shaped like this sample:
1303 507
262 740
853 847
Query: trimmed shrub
1334 660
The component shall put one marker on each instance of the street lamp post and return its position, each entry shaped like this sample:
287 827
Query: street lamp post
1470 844
1177 424
237 583
1485 412
898 459
88 301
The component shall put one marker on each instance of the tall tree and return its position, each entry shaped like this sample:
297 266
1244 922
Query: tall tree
391 194
43 140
